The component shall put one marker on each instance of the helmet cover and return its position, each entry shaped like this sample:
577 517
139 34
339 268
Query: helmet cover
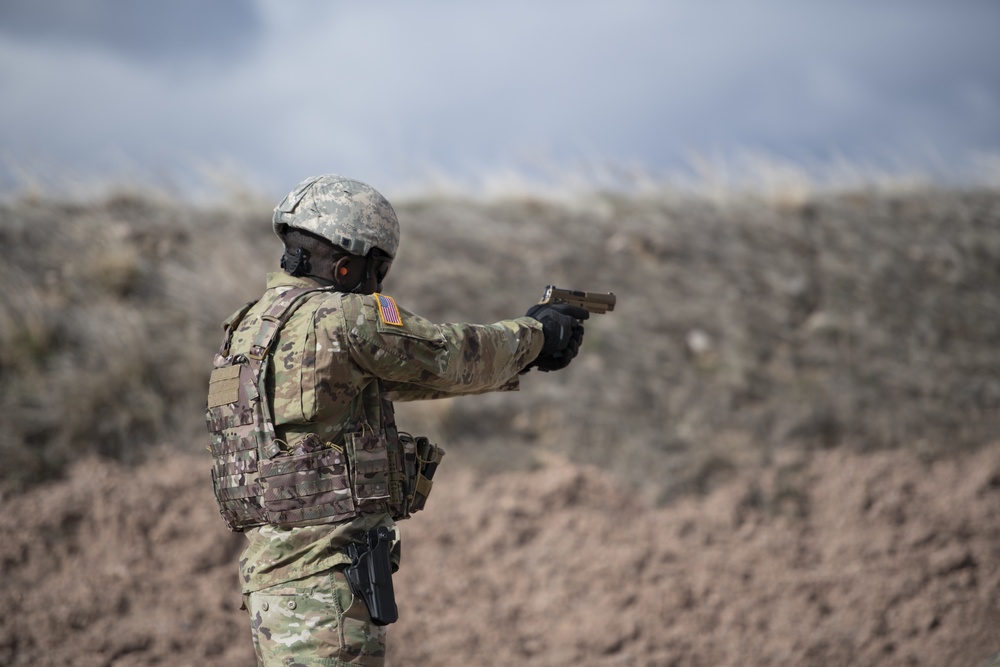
351 215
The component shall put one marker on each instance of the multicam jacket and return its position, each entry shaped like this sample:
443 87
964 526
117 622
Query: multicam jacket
331 363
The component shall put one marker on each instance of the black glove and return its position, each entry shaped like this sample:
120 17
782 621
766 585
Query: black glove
563 328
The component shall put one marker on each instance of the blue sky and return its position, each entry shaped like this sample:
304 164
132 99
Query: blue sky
390 92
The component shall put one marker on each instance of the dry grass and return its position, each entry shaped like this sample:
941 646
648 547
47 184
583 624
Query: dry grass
748 324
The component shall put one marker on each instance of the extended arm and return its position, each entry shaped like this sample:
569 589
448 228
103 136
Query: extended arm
417 359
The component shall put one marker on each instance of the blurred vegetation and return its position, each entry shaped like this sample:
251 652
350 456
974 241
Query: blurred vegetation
746 325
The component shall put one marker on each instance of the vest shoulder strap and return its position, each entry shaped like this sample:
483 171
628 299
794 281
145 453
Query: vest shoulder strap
273 319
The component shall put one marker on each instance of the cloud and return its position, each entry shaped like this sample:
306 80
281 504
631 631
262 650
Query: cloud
381 90
152 32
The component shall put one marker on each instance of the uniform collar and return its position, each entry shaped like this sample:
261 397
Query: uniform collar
282 279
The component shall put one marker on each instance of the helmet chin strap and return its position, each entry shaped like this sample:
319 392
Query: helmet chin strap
369 267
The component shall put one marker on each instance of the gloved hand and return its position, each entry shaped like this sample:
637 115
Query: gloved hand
562 325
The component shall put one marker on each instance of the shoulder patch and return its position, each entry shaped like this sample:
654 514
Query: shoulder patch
387 310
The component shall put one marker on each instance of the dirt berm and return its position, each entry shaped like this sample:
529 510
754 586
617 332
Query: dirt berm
781 448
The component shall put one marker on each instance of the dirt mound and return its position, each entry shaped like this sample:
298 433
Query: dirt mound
840 558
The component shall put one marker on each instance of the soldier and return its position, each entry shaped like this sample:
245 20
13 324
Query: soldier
308 461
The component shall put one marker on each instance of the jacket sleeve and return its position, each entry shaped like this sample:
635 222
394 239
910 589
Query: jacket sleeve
417 359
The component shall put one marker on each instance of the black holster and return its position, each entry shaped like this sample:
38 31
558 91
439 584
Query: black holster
370 575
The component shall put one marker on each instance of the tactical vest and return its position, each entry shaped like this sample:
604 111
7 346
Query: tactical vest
260 480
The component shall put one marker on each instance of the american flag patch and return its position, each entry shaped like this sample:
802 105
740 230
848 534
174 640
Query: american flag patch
387 310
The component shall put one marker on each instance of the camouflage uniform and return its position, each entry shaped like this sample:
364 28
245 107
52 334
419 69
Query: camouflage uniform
331 363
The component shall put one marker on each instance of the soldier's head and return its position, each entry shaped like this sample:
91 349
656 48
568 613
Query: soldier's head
339 230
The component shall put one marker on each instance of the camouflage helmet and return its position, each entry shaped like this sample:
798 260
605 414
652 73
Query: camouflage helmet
348 213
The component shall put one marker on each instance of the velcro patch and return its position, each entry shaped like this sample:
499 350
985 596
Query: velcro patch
387 310
224 386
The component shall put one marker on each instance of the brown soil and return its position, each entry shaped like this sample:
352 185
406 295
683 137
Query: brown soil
831 558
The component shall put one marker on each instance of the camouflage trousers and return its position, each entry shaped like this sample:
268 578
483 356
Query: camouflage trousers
314 621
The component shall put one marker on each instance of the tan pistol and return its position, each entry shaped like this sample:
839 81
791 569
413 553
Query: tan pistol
592 302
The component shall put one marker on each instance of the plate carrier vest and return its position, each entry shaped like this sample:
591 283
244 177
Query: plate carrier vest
257 481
